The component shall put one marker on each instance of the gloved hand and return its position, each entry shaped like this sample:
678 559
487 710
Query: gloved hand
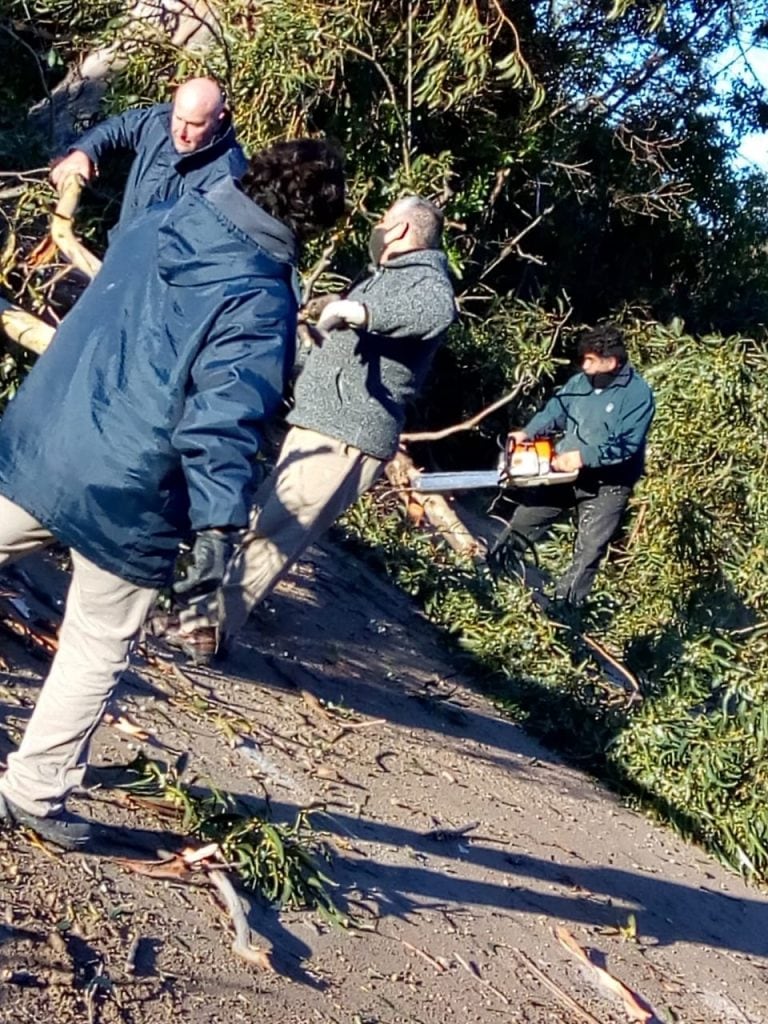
211 553
313 309
342 313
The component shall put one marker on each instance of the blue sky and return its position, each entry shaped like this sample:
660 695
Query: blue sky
754 63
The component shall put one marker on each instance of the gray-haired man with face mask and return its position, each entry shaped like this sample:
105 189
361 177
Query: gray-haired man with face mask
377 345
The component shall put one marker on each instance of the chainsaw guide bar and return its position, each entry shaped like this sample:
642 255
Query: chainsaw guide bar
474 480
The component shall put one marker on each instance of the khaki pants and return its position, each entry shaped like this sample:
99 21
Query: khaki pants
102 616
316 478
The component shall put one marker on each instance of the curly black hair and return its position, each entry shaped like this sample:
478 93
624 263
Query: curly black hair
605 340
299 182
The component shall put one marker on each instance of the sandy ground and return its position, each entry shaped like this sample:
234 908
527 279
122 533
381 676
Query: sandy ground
469 855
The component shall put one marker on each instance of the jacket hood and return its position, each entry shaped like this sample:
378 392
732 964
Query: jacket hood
195 241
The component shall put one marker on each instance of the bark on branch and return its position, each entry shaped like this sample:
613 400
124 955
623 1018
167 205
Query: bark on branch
433 508
24 328
61 228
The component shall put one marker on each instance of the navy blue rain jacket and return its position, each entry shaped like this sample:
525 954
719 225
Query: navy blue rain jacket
139 423
158 172
607 425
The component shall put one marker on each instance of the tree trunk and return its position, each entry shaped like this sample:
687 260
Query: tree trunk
73 104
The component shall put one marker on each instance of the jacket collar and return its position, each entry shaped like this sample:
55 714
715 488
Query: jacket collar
417 257
620 379
622 376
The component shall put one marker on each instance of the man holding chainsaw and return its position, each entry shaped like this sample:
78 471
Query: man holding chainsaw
602 415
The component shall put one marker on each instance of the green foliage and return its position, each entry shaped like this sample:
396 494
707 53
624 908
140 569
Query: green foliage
38 39
279 861
683 602
576 148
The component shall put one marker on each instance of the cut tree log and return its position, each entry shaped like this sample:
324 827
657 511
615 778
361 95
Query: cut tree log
433 508
29 330
61 227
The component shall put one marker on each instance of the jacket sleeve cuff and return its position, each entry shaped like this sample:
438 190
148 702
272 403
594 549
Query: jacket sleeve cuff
90 151
590 456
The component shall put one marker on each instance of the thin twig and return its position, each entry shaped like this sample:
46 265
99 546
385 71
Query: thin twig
438 435
320 266
478 977
556 990
393 98
513 243
426 956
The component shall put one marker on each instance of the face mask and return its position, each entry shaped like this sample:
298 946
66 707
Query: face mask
376 244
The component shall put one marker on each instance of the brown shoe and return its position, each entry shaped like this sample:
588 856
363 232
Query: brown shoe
199 645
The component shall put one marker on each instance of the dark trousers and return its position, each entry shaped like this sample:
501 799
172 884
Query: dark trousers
599 509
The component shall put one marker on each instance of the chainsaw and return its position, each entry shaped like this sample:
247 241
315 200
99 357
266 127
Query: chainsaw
524 464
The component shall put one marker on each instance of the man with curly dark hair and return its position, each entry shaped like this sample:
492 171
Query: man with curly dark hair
602 416
137 429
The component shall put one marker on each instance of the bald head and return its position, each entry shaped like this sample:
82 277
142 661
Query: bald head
198 110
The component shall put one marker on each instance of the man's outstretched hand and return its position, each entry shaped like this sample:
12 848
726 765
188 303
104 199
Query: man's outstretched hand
566 462
342 313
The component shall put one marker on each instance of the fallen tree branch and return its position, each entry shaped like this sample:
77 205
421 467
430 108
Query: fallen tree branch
241 944
433 507
556 990
26 329
61 227
634 1005
438 435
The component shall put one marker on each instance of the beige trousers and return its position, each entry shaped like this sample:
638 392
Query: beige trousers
316 478
102 616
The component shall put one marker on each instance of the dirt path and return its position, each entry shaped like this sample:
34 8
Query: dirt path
460 843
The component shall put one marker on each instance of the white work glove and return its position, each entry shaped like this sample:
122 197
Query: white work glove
75 162
342 313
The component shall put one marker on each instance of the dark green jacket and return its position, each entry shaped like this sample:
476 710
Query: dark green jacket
607 425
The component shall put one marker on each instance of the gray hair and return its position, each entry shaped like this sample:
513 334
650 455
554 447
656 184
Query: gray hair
425 218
